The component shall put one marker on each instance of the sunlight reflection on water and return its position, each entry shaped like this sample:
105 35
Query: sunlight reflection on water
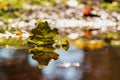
6 54
67 67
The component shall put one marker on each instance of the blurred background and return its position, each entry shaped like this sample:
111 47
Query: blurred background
92 28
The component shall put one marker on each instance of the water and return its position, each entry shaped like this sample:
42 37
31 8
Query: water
74 64
67 67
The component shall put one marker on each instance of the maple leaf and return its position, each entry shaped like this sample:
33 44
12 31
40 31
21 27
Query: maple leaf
41 43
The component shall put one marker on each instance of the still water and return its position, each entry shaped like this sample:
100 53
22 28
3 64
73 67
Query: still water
74 64
67 67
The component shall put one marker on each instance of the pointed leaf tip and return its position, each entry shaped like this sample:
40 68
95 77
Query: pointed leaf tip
39 21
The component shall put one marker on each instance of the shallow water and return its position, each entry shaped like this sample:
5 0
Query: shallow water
74 64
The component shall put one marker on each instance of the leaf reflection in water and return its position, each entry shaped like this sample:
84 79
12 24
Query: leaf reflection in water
41 43
67 67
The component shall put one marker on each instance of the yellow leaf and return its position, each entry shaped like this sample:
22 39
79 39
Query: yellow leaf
3 4
39 21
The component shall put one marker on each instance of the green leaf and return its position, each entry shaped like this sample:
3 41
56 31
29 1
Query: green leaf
41 43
